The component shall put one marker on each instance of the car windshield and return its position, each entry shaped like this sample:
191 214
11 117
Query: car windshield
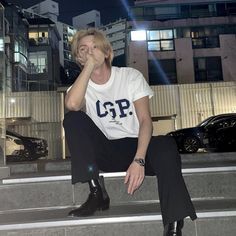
205 122
13 133
214 119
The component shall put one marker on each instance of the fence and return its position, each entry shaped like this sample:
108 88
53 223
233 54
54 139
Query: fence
192 103
40 114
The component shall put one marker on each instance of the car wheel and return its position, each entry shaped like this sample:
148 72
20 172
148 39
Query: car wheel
190 144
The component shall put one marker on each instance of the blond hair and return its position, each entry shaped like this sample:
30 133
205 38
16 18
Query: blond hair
101 41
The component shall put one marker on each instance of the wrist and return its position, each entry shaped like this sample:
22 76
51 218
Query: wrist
140 161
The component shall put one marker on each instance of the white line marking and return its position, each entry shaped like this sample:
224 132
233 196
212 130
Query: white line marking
108 220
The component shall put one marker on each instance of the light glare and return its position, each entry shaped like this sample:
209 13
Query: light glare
138 35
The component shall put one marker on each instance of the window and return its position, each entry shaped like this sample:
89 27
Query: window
166 34
137 11
38 37
231 8
154 35
20 52
167 45
161 40
205 37
185 10
224 9
38 62
202 10
208 69
154 46
162 72
166 11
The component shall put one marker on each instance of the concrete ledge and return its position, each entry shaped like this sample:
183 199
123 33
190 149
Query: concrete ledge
4 172
188 160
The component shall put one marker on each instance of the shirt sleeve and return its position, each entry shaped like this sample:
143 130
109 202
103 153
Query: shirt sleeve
69 89
138 86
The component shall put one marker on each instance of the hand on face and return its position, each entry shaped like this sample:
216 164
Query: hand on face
90 55
85 55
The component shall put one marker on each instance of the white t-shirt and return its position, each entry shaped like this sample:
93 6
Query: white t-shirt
110 105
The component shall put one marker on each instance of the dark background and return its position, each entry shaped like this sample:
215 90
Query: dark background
110 10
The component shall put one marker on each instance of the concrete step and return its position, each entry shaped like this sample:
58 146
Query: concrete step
56 190
201 159
215 217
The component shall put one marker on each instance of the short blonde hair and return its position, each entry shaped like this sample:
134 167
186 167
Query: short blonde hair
102 43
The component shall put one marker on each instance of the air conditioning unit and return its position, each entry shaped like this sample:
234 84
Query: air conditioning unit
42 40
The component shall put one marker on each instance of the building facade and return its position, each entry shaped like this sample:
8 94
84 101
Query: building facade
86 20
43 62
183 41
48 9
16 48
116 34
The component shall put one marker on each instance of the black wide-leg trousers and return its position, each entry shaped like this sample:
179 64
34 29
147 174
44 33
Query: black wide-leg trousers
91 151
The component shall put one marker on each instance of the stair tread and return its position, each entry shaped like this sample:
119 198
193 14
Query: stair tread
125 210
195 160
186 168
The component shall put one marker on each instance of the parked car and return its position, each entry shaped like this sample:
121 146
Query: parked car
21 148
189 140
224 138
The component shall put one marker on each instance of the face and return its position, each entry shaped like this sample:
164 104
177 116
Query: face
87 48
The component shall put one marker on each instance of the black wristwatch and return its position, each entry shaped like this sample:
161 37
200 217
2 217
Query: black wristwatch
140 161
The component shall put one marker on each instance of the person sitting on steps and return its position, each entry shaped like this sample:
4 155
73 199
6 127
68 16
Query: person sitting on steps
109 128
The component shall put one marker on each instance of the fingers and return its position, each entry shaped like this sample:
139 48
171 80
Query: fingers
134 182
126 177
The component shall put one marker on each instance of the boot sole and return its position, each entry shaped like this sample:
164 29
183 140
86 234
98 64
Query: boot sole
102 208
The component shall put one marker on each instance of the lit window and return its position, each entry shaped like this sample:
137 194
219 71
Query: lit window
154 46
43 34
153 35
1 45
38 62
33 35
167 45
138 35
161 40
166 34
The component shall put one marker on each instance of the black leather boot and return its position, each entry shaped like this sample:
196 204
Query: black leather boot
174 228
98 199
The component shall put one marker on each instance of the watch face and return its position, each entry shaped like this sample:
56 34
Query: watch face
141 162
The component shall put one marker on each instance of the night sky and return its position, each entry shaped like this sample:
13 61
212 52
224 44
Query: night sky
110 10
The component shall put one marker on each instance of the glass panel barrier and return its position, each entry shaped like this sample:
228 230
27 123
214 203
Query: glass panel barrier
2 90
31 110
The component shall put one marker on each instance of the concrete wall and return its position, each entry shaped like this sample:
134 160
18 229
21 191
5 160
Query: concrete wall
228 56
184 60
137 56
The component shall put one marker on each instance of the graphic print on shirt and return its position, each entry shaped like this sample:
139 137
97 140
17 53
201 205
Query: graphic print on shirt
113 109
